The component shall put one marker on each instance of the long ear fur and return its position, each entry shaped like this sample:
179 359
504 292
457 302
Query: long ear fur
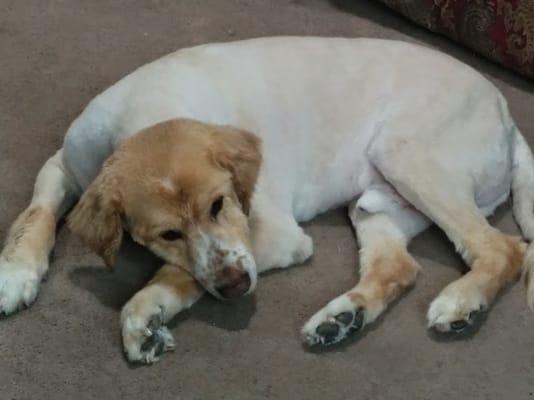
97 216
239 152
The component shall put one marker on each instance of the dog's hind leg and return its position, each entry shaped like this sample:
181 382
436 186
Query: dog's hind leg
144 334
446 194
494 258
384 225
24 259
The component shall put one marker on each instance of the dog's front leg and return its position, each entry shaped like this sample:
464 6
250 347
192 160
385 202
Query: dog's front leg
277 239
24 259
144 334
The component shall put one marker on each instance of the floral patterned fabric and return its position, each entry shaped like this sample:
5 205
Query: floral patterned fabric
502 30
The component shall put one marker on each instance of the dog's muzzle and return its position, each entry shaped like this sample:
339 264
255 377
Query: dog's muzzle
232 283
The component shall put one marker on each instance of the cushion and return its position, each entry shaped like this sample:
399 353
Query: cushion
502 30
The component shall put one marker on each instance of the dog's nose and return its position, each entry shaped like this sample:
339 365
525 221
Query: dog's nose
232 283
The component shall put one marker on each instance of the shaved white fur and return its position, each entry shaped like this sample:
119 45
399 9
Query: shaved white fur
319 105
418 135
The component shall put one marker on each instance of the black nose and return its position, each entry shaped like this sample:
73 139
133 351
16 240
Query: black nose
232 283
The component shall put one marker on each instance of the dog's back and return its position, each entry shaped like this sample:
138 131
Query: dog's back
331 94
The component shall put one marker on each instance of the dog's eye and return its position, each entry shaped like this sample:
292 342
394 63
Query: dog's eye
217 206
172 235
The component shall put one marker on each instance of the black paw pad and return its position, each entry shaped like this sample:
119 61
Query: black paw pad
357 324
345 318
458 326
344 324
474 314
328 331
154 323
154 341
354 321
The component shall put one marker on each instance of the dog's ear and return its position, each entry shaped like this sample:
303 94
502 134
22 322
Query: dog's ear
97 216
239 152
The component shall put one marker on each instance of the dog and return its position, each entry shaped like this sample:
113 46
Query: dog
211 157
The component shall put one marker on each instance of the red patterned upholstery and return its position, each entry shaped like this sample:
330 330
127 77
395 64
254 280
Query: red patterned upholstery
502 30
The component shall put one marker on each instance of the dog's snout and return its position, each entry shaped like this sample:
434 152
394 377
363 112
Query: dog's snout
232 283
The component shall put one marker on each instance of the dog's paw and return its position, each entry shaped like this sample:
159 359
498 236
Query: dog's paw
19 285
303 251
144 336
453 310
338 320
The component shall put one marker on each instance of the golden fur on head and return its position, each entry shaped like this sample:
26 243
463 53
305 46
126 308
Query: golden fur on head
97 217
167 178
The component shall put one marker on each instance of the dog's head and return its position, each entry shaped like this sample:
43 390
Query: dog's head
182 189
